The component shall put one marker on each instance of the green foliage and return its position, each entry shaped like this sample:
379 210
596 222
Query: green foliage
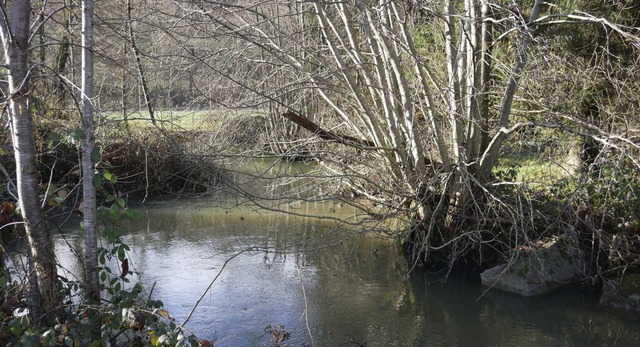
612 191
586 39
75 135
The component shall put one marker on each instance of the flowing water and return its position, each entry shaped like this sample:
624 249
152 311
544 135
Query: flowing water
332 289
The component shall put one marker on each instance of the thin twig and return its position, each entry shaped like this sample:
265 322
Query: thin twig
151 292
306 308
212 282
146 174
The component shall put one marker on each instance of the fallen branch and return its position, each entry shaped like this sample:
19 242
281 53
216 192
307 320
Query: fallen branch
327 135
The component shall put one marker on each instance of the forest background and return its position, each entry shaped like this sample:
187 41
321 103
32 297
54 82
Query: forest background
468 130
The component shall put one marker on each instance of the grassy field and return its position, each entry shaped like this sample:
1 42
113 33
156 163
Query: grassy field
180 119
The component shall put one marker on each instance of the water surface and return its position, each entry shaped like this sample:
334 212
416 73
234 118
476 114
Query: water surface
333 289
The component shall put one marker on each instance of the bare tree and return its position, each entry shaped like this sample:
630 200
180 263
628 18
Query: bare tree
14 28
410 105
432 111
141 72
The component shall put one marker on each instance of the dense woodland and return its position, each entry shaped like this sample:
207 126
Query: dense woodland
467 130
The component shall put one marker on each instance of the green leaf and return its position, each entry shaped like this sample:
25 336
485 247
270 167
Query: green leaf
121 253
131 215
110 198
95 154
109 234
121 202
97 181
155 304
53 138
103 276
76 135
109 176
114 212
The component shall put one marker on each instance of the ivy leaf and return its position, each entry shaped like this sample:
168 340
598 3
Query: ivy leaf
111 234
53 138
121 254
97 181
110 177
95 155
76 135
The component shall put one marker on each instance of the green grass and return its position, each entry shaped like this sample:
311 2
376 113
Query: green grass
180 120
530 170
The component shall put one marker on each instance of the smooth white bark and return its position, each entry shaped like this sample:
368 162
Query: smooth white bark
88 146
15 33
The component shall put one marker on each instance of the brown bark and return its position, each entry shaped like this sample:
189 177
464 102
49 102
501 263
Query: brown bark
327 135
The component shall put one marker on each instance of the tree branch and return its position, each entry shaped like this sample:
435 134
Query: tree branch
327 135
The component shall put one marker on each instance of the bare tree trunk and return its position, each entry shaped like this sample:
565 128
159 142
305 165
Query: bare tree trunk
488 160
15 40
42 47
453 80
88 154
64 53
136 53
485 62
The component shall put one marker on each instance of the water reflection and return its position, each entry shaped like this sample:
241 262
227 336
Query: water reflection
343 288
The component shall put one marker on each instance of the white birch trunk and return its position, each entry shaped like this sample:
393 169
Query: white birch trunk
45 298
88 166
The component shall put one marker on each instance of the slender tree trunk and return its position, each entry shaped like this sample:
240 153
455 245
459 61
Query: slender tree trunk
64 53
15 35
485 78
453 80
42 47
136 53
88 148
488 160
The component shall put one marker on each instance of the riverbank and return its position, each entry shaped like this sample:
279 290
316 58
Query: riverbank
234 157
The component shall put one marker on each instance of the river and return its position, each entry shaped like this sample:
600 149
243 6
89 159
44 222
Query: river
329 288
